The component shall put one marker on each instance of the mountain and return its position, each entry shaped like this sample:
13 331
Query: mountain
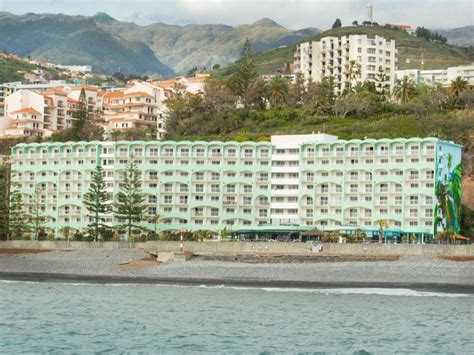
71 40
462 36
410 51
183 47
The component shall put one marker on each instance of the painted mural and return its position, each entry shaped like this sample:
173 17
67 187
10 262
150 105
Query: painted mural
448 189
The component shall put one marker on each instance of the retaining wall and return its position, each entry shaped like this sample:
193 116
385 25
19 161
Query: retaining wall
248 247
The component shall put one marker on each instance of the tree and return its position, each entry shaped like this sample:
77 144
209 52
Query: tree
80 116
467 222
223 234
97 201
278 91
246 72
130 205
36 219
337 23
203 235
457 86
352 74
155 220
381 84
66 232
404 91
216 66
320 97
4 197
355 23
17 221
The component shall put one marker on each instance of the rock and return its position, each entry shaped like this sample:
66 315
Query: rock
164 257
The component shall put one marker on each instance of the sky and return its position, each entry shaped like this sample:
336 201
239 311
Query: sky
294 14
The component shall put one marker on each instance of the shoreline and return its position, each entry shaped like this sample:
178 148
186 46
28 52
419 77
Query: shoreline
142 280
128 266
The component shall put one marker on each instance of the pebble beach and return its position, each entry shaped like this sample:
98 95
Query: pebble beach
129 265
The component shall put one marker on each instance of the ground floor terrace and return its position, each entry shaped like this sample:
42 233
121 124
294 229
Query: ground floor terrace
296 234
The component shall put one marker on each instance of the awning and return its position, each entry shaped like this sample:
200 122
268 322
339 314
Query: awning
313 233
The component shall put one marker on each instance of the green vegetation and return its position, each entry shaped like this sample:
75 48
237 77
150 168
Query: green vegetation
278 107
429 35
410 50
467 222
12 69
4 198
17 221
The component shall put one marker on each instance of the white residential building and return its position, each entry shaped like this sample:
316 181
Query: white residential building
331 57
141 105
29 113
438 76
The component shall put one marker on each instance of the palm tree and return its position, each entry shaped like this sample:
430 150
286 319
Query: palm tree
457 86
405 90
278 91
203 235
352 74
66 232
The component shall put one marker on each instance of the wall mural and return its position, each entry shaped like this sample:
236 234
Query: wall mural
448 189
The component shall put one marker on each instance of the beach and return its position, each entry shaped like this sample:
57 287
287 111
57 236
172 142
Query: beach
136 266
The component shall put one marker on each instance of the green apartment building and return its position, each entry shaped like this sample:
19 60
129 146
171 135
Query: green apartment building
290 184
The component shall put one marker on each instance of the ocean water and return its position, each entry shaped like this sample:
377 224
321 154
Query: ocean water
61 317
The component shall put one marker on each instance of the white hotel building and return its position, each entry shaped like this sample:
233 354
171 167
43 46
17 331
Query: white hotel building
330 57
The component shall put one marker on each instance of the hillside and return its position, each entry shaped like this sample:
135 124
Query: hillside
436 55
71 40
183 47
462 36
12 69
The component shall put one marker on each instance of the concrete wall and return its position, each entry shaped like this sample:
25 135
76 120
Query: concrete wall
259 248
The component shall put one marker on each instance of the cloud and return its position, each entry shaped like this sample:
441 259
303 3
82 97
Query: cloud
290 13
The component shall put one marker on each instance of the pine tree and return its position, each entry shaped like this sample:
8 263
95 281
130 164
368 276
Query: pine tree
36 219
130 205
80 116
4 198
17 221
246 72
381 84
97 201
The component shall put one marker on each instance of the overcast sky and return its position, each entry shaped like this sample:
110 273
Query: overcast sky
293 14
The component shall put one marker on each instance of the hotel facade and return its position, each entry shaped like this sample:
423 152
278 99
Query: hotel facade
290 184
330 57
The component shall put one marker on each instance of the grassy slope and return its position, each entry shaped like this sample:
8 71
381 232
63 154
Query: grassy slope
436 55
13 70
450 126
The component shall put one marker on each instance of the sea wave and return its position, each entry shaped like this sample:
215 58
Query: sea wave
406 292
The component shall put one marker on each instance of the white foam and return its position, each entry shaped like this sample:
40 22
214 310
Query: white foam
325 291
